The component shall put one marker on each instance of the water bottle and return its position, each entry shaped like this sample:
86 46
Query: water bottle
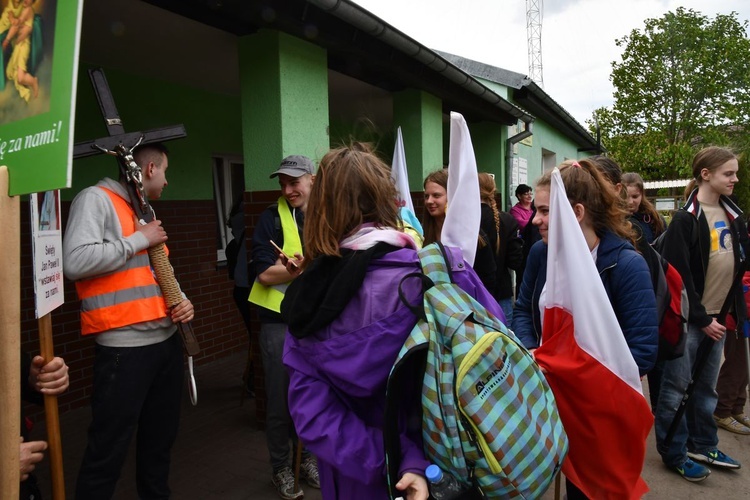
442 486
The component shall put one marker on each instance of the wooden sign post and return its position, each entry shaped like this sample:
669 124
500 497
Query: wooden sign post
10 337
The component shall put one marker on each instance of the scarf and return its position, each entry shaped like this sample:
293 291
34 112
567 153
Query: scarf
318 295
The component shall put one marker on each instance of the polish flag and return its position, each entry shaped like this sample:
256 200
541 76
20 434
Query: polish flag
589 366
464 213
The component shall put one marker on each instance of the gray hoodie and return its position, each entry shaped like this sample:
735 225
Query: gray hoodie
93 245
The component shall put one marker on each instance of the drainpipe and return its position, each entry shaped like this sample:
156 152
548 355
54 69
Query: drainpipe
526 132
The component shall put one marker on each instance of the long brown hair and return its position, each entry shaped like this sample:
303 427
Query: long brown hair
353 186
487 195
431 225
585 184
710 158
645 207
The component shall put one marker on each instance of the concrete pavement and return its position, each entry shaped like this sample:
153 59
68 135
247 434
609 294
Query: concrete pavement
221 454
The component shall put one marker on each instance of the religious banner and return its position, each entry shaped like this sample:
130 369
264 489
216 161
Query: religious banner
39 41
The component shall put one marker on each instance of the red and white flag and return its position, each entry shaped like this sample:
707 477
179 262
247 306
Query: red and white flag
589 366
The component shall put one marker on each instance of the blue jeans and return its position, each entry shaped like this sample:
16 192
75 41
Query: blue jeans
696 430
507 306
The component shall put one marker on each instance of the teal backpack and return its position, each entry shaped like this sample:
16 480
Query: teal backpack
488 415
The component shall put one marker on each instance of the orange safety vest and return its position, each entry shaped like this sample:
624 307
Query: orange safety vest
125 296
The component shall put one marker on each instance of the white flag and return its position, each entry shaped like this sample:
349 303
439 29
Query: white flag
399 175
463 216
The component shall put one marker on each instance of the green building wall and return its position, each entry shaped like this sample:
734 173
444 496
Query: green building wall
546 138
212 122
284 86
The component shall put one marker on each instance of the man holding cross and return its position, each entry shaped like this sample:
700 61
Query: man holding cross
138 367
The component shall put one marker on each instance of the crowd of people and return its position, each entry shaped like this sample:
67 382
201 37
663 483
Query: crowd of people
331 325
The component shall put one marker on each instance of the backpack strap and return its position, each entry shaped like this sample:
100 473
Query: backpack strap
434 260
435 263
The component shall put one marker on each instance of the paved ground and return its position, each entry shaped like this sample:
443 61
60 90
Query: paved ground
220 454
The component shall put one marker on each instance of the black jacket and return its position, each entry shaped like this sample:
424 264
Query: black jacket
688 252
509 256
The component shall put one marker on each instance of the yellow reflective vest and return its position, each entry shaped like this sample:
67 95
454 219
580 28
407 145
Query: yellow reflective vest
270 297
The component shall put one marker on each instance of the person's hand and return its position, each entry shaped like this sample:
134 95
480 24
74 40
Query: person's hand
715 330
293 266
414 485
31 454
183 312
154 233
50 378
532 351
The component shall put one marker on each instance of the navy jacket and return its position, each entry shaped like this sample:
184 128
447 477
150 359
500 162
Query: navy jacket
626 279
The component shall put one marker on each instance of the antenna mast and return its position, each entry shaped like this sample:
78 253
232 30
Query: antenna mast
534 34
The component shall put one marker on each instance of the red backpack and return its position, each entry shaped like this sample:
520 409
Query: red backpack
672 304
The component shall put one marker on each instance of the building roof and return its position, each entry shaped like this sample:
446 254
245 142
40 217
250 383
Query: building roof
530 96
359 45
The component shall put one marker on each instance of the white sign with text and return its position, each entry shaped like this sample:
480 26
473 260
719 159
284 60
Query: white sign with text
46 238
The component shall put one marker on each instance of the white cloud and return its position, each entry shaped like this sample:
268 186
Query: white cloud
578 36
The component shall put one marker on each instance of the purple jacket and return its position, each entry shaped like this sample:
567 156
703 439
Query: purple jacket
338 377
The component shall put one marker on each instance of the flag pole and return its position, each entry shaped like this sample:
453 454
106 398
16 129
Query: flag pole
10 336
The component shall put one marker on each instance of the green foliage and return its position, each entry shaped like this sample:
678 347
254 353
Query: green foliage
683 83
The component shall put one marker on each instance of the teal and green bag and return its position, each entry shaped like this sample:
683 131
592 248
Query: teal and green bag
488 415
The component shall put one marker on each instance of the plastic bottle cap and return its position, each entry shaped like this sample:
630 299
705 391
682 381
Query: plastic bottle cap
433 473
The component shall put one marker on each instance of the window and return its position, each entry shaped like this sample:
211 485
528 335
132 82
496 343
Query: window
229 188
549 160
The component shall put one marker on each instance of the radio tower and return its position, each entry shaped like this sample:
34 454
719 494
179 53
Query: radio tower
534 33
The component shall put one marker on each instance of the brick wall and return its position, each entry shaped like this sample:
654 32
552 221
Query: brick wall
191 226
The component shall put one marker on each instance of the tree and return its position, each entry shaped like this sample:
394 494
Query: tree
683 83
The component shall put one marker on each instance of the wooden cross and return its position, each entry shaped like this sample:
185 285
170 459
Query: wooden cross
121 145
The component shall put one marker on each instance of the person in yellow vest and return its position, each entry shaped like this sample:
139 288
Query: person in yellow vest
281 223
138 365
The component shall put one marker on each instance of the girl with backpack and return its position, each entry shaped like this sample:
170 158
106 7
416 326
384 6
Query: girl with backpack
642 212
347 325
624 273
707 244
649 224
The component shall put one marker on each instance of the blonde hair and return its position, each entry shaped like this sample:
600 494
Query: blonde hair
353 186
587 185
